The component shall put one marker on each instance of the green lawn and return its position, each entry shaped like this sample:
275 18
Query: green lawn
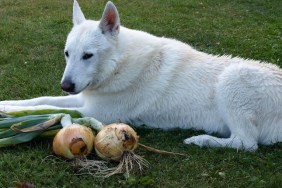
32 36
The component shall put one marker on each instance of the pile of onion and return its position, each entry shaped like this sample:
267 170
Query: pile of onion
115 142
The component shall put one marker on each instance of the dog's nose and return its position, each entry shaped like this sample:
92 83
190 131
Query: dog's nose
68 86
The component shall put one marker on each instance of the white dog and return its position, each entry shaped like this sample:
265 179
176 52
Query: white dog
118 74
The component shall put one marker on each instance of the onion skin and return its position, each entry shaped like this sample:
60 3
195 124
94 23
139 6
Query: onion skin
114 139
73 141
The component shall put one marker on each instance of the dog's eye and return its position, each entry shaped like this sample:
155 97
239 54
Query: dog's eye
66 53
87 56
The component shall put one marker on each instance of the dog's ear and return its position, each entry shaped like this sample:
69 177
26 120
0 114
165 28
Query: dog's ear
110 22
77 16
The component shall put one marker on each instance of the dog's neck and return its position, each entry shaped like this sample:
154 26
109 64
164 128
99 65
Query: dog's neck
135 53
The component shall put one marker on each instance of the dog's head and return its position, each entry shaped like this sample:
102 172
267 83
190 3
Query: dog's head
90 49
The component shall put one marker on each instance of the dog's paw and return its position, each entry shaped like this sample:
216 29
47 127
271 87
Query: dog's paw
10 102
5 108
202 140
211 141
10 108
197 140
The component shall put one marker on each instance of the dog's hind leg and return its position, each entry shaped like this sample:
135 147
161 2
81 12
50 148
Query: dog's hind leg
234 141
240 100
211 141
244 135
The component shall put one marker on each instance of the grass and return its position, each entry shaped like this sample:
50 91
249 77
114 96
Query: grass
32 36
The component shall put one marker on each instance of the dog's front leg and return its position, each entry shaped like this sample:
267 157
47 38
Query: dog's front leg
13 108
70 101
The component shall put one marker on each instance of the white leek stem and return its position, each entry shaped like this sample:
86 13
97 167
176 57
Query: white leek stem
66 120
93 123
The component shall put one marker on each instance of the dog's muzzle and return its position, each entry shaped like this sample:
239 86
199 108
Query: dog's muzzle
68 86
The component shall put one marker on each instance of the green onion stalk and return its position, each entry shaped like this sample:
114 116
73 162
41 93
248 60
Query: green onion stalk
23 126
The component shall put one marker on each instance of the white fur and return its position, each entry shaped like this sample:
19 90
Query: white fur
138 78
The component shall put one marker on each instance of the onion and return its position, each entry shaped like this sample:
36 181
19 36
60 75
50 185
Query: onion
117 142
115 139
73 141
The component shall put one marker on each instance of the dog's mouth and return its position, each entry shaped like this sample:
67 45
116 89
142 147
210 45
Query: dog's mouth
78 91
73 93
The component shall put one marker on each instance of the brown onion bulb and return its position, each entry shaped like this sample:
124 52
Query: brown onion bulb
73 141
114 139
